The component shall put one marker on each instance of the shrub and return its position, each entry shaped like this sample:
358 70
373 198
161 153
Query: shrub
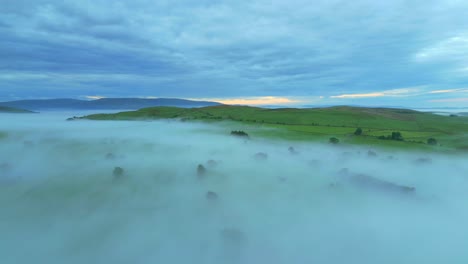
333 140
118 172
432 141
201 170
261 156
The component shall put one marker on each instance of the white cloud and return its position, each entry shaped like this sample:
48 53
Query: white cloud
453 49
400 92
94 97
453 52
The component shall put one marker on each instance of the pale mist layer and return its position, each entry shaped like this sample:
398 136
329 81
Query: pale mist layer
133 192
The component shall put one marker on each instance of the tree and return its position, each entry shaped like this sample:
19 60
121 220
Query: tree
432 141
397 136
333 140
118 172
358 131
201 171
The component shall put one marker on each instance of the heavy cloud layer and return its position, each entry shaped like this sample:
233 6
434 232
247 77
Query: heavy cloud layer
219 49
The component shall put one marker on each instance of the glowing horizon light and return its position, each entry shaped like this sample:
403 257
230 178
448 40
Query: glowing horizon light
262 100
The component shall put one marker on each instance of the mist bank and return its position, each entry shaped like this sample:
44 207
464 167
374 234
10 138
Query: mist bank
174 192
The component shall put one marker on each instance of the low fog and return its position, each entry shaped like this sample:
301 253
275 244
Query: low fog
178 192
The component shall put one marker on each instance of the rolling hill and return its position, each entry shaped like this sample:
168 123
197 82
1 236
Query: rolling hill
103 104
321 123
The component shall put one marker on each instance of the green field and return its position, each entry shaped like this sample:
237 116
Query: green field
319 124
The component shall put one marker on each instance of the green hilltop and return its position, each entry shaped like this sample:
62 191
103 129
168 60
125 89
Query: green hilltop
319 124
5 109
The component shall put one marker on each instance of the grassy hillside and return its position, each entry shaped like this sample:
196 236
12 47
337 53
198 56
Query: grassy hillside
322 123
5 109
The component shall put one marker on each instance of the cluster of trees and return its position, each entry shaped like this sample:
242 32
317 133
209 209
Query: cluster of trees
399 137
74 118
239 133
394 136
118 172
201 170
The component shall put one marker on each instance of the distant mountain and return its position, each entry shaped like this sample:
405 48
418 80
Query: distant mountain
104 104
4 109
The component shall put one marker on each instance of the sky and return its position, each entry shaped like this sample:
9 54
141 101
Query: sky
257 52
